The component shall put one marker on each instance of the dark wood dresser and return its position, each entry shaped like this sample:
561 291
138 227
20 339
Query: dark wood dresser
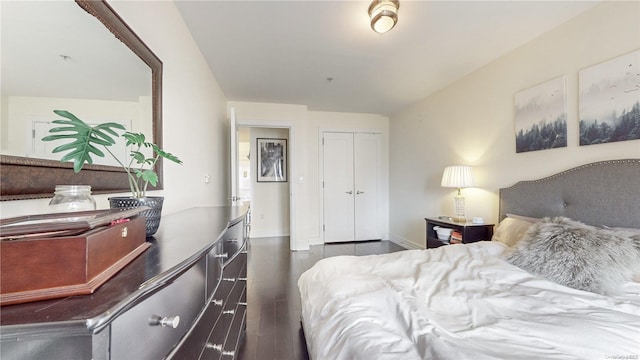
183 298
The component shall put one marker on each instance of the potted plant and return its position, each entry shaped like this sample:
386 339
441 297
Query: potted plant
87 141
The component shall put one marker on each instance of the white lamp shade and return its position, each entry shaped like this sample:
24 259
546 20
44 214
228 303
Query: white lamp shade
457 176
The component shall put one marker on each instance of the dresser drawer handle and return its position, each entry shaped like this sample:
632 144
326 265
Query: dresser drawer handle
166 321
224 255
214 346
243 252
242 279
218 347
235 240
242 303
216 302
229 279
229 312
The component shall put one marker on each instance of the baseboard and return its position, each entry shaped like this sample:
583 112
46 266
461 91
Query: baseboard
406 243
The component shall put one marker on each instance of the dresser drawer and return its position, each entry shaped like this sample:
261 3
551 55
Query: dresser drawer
238 325
214 269
140 333
217 339
233 240
193 347
236 268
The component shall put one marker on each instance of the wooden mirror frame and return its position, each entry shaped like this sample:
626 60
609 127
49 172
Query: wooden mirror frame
30 178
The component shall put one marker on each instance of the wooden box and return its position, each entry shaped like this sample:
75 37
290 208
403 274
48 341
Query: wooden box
51 267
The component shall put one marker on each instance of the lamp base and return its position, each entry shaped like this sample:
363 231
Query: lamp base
459 209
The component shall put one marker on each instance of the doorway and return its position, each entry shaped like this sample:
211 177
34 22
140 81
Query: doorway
270 200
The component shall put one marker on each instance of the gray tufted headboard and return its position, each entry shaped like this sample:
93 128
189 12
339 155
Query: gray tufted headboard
600 193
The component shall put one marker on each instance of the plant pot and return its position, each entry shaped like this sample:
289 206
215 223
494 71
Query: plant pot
152 215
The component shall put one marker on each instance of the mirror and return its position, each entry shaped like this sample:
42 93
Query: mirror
119 80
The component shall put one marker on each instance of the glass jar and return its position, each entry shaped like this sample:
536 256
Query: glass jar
69 198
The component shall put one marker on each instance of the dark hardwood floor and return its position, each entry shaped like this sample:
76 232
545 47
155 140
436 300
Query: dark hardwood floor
274 331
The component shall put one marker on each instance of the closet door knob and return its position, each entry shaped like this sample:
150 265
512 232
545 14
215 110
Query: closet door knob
348 192
359 192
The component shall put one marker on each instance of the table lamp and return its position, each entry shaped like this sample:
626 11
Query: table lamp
458 176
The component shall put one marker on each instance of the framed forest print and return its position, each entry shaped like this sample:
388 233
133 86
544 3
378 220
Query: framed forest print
610 100
540 116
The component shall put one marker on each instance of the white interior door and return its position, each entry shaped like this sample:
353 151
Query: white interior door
351 178
366 180
233 153
338 194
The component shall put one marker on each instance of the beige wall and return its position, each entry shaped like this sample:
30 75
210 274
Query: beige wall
194 112
471 122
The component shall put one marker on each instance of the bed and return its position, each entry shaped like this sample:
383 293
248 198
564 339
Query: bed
476 301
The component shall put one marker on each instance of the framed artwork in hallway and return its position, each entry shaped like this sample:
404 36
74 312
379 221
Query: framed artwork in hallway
272 160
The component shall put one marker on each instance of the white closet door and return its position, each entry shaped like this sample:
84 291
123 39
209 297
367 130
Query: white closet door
366 180
351 168
338 194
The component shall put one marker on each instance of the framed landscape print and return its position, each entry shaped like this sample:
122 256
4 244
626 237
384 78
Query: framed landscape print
272 160
540 116
610 100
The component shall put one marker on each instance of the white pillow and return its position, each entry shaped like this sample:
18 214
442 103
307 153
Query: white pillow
510 230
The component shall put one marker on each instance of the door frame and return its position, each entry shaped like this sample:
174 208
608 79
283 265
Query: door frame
321 132
275 124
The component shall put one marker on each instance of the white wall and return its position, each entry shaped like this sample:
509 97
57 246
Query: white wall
194 112
471 122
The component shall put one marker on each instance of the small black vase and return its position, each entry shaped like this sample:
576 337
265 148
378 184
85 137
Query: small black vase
152 215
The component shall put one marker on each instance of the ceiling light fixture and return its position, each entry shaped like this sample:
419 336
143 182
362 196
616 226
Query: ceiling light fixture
383 15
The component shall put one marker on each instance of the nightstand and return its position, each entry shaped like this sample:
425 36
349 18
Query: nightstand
470 232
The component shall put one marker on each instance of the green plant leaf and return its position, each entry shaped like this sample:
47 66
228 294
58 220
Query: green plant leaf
84 138
138 157
148 176
134 138
166 155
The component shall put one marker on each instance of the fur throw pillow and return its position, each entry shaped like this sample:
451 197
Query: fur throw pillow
576 255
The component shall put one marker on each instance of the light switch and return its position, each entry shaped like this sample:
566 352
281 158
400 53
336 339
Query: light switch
300 179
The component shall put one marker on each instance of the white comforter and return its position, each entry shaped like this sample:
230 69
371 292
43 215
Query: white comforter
458 302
